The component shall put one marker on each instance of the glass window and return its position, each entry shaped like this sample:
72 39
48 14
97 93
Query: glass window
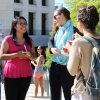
30 1
30 23
43 23
43 2
16 13
17 1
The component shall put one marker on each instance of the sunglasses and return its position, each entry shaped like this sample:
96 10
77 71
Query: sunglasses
22 24
56 15
38 49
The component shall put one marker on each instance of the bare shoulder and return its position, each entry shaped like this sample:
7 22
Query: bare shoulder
41 57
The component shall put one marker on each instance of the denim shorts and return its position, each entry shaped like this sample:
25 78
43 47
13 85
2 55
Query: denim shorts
1 61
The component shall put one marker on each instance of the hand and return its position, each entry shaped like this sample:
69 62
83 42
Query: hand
32 61
53 50
76 35
29 55
68 47
22 54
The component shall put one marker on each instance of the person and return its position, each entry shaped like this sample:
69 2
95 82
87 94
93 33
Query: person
81 50
17 48
59 76
38 72
2 63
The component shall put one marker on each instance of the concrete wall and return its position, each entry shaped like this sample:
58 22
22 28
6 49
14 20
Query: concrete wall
7 8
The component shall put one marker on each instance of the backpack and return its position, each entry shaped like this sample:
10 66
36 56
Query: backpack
92 85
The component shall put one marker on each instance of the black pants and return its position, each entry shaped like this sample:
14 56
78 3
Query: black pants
16 88
59 76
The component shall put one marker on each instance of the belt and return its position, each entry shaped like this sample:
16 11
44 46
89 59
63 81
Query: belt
59 64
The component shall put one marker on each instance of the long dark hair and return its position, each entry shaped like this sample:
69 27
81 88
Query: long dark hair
43 51
13 30
66 14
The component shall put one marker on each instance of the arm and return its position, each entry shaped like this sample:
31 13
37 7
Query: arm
32 52
51 46
51 42
4 50
40 59
74 59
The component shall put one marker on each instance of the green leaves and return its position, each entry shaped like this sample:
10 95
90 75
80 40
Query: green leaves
48 57
73 5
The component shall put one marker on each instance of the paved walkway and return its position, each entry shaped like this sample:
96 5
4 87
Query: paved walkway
30 93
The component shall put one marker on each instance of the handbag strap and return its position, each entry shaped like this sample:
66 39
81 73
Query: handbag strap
81 74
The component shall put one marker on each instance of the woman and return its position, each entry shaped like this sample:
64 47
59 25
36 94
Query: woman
81 50
59 76
2 63
18 69
38 73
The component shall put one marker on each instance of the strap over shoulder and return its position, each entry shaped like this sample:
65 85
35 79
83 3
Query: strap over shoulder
91 40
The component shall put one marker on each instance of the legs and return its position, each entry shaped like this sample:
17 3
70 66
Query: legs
59 76
65 78
39 81
23 87
11 88
55 84
41 85
36 81
16 88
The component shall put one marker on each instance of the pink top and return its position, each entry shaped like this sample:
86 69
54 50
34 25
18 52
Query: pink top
17 67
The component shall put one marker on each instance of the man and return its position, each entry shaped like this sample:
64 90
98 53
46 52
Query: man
2 63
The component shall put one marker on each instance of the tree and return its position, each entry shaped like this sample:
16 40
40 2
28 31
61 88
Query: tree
73 5
48 57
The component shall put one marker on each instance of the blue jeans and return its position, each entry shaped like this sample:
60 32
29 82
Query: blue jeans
59 76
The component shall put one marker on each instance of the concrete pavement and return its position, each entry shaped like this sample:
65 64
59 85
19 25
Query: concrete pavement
30 93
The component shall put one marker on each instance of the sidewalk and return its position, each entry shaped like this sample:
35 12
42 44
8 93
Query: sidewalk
30 93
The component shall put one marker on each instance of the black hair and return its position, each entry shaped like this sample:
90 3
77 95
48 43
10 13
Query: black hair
43 51
13 30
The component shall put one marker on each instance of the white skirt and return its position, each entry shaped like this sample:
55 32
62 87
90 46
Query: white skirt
77 96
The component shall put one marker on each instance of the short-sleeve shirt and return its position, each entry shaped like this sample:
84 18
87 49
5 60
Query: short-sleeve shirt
17 67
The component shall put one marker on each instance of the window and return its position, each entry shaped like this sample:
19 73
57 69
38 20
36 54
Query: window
30 23
30 1
43 24
17 1
43 2
16 13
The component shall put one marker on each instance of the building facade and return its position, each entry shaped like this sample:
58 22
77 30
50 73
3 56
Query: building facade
38 13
